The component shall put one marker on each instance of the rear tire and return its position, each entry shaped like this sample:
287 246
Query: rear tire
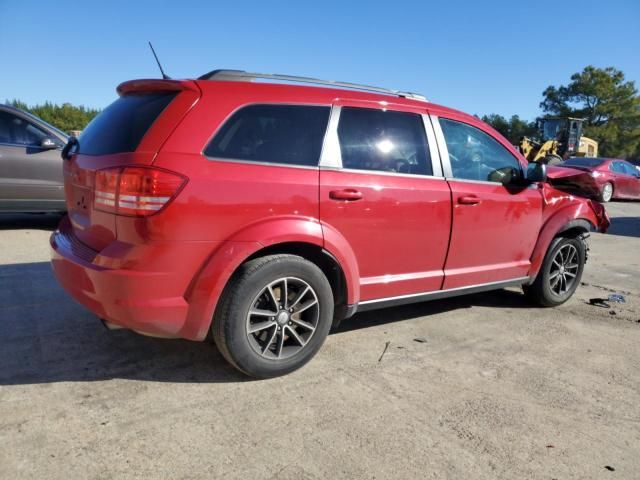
606 194
560 273
273 316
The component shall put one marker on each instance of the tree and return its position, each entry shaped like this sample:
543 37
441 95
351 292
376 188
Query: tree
609 104
66 117
513 129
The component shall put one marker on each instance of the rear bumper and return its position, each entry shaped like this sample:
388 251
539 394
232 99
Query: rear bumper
151 302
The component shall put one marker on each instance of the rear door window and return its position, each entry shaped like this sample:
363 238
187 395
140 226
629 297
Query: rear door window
281 134
120 127
383 140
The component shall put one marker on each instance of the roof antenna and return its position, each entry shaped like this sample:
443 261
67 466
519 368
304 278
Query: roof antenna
164 75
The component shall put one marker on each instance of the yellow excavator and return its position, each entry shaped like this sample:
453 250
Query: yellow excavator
561 138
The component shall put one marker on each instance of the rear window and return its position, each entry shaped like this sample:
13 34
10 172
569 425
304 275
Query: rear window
286 134
120 127
582 162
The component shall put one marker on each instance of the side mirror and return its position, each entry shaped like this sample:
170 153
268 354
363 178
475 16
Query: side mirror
536 172
506 176
48 144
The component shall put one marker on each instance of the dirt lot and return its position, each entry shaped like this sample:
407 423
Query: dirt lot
496 389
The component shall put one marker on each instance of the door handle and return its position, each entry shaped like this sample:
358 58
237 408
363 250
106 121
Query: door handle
348 194
469 200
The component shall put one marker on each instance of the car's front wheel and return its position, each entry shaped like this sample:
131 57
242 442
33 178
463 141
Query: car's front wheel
560 273
274 315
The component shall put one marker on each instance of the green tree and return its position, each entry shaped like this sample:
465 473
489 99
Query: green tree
609 104
513 129
66 117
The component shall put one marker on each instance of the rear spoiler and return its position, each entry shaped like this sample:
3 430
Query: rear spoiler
155 85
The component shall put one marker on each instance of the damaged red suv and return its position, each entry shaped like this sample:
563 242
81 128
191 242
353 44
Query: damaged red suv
266 212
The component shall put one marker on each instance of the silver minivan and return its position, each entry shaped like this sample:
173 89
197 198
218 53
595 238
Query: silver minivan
30 163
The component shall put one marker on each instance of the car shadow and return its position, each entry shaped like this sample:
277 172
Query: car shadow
497 298
46 337
29 221
625 226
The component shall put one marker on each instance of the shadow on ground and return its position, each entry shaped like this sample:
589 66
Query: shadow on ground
29 221
46 337
625 226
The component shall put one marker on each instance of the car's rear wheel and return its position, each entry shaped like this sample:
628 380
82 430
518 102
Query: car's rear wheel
560 273
606 194
274 315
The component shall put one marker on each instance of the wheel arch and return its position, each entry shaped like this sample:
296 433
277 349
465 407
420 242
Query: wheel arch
571 222
295 236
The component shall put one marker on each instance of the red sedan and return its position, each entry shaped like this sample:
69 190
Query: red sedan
604 178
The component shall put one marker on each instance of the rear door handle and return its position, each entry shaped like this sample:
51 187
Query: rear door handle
469 200
348 194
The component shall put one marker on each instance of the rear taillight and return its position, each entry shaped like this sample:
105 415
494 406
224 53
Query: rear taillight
135 191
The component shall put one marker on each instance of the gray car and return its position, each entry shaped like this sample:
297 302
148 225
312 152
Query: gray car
30 163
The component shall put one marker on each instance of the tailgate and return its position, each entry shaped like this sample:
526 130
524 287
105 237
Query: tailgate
129 132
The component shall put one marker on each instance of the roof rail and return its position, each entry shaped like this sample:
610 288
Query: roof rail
242 76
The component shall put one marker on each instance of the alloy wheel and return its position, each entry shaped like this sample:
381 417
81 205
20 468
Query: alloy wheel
607 192
283 317
564 269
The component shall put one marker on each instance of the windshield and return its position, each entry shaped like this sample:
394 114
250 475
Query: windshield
583 162
552 129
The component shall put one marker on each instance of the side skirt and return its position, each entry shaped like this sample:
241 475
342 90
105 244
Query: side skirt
438 294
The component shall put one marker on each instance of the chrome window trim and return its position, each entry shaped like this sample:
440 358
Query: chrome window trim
381 172
330 154
442 147
261 163
468 180
436 164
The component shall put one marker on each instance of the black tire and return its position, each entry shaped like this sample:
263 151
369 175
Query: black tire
543 291
606 194
255 282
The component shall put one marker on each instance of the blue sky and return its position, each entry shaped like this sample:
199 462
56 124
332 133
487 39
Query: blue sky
480 57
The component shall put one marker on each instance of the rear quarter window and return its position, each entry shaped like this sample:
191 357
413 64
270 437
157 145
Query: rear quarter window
121 126
284 134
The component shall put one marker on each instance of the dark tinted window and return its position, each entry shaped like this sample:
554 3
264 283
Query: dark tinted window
16 130
582 162
289 134
121 126
383 140
474 155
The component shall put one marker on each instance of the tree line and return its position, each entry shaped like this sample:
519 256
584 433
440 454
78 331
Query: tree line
66 117
607 101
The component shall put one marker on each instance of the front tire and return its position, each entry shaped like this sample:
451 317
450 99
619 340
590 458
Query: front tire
274 315
560 273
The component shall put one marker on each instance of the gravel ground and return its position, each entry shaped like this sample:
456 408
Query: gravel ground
481 387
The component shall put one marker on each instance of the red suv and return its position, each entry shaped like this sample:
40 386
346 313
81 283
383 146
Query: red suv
267 212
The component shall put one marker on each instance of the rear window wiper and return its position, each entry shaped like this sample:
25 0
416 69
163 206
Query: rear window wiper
69 149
